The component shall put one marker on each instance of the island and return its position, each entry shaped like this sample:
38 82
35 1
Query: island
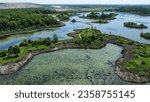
101 21
134 25
133 66
101 17
145 35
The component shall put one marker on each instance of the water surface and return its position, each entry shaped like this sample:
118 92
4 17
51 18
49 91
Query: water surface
70 66
115 27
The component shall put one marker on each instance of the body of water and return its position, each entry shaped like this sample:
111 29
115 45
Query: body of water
70 66
115 27
75 66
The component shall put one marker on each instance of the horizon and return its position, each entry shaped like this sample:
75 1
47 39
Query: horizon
67 4
82 2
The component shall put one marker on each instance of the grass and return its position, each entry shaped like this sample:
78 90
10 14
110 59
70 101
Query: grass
24 50
91 38
141 63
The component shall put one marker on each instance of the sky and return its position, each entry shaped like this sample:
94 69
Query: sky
82 1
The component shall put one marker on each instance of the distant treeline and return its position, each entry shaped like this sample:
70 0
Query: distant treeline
140 10
14 19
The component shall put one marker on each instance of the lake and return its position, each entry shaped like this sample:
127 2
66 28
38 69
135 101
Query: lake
115 27
70 66
75 66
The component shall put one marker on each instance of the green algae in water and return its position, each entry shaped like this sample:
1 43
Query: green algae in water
70 66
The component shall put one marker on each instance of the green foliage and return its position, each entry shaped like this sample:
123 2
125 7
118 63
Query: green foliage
14 53
13 50
24 43
145 35
101 21
55 38
134 25
91 38
3 53
62 17
102 16
140 10
15 19
140 65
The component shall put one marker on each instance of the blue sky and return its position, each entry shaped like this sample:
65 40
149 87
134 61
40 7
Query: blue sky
82 1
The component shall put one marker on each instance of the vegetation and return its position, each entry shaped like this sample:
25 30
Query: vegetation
15 53
135 25
102 16
137 62
101 21
142 10
63 16
138 54
140 64
145 35
19 20
91 38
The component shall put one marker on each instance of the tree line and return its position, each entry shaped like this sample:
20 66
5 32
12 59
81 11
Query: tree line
14 51
14 19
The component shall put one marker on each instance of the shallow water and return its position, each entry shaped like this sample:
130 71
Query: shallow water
70 66
115 27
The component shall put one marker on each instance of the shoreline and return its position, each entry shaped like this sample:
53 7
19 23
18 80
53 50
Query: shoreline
128 76
5 35
126 55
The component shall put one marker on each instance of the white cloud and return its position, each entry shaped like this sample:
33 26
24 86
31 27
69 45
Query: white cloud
82 1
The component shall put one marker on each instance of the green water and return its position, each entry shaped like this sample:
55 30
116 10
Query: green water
70 66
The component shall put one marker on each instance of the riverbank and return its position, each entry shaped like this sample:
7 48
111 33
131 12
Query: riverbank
4 35
128 47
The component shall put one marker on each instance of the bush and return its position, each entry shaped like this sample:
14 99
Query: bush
3 53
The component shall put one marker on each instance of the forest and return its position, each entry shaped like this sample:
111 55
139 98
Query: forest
101 16
33 18
142 10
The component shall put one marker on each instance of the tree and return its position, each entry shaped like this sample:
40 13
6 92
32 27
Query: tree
13 50
55 38
47 41
3 53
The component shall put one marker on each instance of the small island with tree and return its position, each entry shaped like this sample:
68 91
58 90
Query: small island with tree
100 17
146 35
101 21
135 25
